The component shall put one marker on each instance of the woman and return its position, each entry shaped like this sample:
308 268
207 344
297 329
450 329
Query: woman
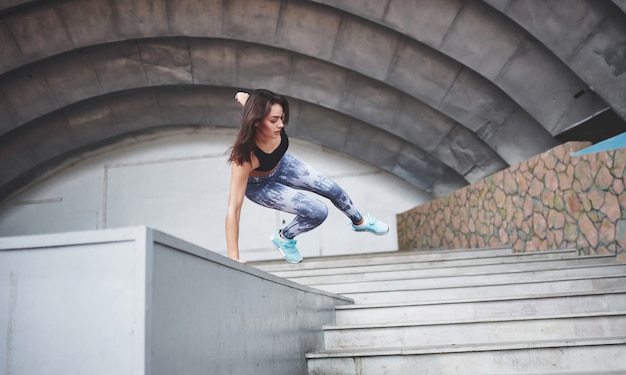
263 171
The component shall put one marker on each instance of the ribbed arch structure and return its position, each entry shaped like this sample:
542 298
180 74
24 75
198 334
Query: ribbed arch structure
438 92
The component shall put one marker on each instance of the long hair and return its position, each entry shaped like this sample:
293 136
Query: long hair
256 109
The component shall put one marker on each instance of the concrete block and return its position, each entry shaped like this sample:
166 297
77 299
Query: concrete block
481 39
372 9
91 121
201 18
188 105
359 40
215 62
166 62
370 101
308 28
420 124
319 125
137 301
584 107
28 95
422 72
89 22
548 21
472 102
484 168
118 66
9 116
529 69
447 183
426 21
66 88
462 150
262 67
519 139
140 18
412 159
39 31
135 110
373 144
50 138
621 4
597 61
325 82
256 23
11 55
223 110
15 157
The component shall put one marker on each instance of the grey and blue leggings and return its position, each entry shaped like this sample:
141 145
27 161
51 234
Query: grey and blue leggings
279 190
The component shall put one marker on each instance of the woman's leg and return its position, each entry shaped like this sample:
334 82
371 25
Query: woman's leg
300 175
310 212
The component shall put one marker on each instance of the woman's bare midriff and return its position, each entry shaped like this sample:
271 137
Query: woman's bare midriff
254 173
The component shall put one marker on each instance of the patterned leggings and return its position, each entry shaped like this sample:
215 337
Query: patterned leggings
279 190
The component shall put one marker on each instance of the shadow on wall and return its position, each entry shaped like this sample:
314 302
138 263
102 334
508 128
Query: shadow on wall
551 201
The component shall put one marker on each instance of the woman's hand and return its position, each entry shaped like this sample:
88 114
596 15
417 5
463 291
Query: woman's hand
242 97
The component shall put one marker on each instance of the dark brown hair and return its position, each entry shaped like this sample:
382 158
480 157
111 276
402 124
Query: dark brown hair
256 108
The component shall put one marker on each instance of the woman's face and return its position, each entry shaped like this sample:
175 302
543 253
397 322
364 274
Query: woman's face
272 124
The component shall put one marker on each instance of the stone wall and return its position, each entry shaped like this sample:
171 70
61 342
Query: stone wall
551 201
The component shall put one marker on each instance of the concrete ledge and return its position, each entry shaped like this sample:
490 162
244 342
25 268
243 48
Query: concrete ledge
138 301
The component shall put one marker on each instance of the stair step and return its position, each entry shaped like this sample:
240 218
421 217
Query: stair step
404 271
462 311
468 348
481 309
519 289
475 280
520 329
593 356
395 257
330 269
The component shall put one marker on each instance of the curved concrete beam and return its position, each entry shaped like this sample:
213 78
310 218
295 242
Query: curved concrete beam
85 125
591 47
621 4
58 82
388 64
353 45
482 39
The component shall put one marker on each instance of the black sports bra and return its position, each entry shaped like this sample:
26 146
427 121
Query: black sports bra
267 162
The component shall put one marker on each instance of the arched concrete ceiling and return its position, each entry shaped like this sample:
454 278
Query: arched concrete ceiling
438 92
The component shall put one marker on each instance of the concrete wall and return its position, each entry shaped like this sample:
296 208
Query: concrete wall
137 301
551 201
177 181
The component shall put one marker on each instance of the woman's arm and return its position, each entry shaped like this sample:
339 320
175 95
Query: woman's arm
238 183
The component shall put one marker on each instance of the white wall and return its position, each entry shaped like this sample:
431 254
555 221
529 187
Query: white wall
177 182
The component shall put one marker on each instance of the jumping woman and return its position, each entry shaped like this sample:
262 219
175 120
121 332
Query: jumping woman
263 171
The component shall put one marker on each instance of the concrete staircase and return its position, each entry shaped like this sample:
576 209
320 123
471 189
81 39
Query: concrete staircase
488 311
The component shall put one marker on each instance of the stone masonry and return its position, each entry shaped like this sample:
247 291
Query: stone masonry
551 201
